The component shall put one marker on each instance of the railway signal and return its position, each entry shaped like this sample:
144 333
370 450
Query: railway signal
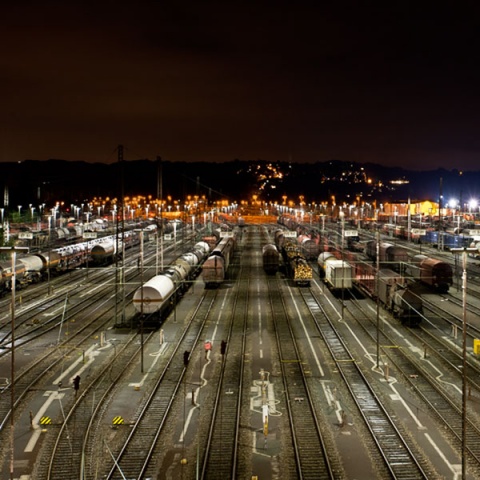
208 347
76 383
186 357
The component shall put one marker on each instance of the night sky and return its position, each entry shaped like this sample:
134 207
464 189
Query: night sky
394 83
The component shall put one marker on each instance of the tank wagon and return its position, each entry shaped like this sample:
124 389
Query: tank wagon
271 258
432 272
215 267
103 251
158 295
288 222
296 264
37 266
337 274
279 239
309 246
6 275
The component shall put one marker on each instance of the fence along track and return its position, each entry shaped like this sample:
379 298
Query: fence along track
310 451
394 449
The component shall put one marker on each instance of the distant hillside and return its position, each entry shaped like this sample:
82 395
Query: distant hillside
49 181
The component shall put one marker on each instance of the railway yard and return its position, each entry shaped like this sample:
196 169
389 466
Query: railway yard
267 363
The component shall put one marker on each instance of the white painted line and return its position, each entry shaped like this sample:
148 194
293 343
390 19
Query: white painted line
37 430
454 467
74 364
307 336
157 356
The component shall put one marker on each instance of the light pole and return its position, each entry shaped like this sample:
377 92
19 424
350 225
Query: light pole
377 287
13 251
342 216
140 231
464 252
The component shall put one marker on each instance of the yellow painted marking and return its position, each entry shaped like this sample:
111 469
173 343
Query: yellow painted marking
117 420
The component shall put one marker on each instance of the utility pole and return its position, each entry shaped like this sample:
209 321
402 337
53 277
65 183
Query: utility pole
160 197
377 289
13 277
119 212
464 252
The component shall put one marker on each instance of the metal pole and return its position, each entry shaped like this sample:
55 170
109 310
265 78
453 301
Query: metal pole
13 250
464 364
156 251
12 373
342 214
377 288
464 355
141 300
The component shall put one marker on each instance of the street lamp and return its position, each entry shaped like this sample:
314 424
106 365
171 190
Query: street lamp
464 252
13 251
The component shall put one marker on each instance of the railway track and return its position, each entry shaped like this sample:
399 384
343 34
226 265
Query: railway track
393 446
68 448
450 319
220 454
434 393
139 450
310 450
39 373
435 344
45 364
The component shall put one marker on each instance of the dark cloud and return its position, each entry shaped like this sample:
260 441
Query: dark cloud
392 83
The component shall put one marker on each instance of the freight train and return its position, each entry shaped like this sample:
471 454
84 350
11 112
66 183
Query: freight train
38 266
390 255
357 270
104 252
337 274
298 269
392 292
271 258
215 267
446 240
307 237
424 233
432 272
158 295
